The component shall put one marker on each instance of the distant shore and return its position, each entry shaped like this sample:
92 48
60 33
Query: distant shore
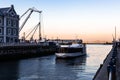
100 43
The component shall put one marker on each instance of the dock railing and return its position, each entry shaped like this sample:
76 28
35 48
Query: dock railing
111 69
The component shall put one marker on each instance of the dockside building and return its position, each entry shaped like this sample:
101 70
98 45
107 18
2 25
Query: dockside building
9 25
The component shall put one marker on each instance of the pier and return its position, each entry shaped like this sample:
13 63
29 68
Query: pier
110 69
15 51
14 47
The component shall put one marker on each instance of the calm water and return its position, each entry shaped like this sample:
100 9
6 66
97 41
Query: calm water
49 68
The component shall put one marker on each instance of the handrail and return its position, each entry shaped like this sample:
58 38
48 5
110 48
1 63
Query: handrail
112 64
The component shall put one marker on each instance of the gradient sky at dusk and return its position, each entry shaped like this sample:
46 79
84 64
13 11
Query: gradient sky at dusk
91 20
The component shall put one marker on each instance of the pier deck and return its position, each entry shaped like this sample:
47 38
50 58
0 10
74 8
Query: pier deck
108 70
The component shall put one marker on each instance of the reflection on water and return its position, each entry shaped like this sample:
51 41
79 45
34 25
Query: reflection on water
72 61
9 70
69 69
50 68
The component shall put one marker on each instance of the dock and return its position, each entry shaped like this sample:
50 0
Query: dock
14 51
110 69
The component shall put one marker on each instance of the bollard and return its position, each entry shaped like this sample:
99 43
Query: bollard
111 63
108 70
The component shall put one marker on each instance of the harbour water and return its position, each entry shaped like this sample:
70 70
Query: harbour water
50 68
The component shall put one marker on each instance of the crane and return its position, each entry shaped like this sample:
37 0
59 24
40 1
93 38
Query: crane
33 31
26 19
31 11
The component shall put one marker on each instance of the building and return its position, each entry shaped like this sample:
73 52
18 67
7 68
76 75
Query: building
9 25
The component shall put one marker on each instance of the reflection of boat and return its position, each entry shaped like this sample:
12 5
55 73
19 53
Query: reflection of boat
72 50
73 61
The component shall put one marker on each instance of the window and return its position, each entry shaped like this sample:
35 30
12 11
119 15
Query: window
12 13
14 23
1 40
9 22
0 30
9 31
14 32
0 21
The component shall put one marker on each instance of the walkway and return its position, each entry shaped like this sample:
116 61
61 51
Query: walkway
110 70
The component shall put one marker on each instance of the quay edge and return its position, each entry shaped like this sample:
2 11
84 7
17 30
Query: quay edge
23 51
109 70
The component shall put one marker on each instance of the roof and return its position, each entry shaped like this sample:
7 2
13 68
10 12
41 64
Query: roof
4 10
7 10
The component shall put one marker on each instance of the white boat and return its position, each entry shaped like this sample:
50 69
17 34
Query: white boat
72 50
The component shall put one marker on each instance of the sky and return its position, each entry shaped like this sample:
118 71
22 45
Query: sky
90 20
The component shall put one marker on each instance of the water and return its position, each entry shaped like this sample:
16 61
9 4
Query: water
50 68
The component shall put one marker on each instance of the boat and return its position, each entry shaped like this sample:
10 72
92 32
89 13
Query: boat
74 49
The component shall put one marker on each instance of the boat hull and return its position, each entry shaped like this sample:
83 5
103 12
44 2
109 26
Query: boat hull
69 55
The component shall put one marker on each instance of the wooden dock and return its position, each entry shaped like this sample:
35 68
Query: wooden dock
110 69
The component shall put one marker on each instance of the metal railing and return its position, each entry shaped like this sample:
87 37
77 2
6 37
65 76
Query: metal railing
111 69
